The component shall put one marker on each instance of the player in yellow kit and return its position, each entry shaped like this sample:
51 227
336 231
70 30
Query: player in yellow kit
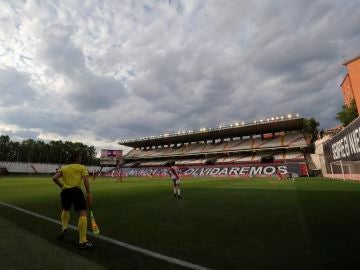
72 176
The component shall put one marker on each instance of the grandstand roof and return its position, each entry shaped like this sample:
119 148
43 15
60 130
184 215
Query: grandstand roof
220 133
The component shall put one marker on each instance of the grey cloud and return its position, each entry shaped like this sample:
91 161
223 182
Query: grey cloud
88 91
19 135
130 70
30 118
14 88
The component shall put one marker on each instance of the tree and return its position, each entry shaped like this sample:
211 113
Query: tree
4 147
311 129
348 113
56 152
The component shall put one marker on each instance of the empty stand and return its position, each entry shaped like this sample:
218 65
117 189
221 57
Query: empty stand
295 155
248 150
41 168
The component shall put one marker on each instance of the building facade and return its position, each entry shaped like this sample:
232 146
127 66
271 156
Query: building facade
351 84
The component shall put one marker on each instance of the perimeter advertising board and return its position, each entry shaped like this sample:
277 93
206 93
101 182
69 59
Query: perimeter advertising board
236 170
345 145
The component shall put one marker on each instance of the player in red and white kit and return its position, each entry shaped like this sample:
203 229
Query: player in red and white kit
175 177
278 174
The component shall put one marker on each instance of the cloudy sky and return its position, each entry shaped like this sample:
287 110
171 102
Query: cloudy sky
99 71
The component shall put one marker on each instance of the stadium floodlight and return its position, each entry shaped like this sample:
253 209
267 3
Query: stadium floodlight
236 124
242 123
220 126
272 118
261 120
255 122
297 115
282 117
277 117
289 115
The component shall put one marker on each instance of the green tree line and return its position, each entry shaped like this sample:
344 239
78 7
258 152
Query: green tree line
348 113
37 151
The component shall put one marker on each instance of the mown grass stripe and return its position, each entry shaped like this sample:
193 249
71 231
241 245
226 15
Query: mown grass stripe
115 242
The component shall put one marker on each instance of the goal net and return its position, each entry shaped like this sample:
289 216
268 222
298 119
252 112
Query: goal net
345 170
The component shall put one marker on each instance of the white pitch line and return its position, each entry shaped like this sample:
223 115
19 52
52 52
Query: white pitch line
116 242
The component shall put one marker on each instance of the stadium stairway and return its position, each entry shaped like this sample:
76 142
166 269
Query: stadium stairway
310 163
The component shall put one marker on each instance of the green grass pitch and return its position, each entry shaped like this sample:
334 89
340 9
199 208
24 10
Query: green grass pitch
313 223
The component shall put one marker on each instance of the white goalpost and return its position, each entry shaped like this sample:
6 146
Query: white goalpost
345 170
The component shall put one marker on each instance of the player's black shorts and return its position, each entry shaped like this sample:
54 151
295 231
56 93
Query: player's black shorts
73 196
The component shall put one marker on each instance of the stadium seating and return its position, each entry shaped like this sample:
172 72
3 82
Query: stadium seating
294 140
239 145
227 160
154 163
41 168
247 150
279 157
21 167
295 155
246 159
134 153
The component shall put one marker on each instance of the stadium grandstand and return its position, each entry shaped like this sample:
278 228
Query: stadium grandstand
256 149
